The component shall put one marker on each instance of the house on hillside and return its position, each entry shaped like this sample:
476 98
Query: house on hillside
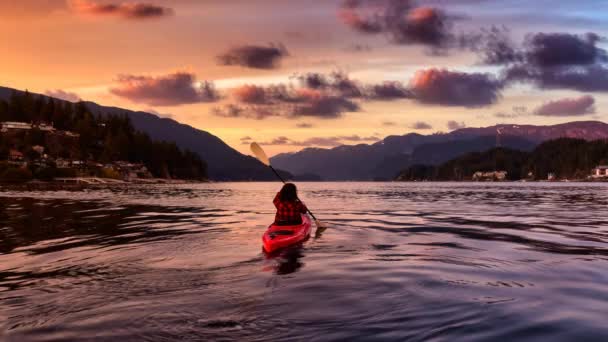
493 176
131 171
8 126
45 127
62 163
15 156
39 149
68 134
600 172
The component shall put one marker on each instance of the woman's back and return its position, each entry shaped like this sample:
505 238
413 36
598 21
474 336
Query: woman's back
289 207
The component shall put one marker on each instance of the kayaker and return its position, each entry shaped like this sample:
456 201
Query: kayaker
289 206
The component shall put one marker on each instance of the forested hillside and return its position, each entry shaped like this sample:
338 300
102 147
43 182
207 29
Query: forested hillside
563 158
65 130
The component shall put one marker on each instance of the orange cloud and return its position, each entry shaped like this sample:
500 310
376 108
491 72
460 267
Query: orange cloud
251 94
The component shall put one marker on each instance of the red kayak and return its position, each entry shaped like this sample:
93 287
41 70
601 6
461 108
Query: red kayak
277 237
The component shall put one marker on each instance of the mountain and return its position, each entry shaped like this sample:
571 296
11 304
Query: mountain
386 158
438 153
224 162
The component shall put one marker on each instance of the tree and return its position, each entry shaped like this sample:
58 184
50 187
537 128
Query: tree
4 114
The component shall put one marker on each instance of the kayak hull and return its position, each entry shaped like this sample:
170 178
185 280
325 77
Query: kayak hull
278 237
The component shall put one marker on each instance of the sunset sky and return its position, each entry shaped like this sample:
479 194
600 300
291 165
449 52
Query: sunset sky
292 74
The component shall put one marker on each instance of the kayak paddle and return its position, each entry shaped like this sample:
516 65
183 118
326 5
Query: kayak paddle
261 156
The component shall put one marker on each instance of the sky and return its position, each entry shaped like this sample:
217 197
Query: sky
293 74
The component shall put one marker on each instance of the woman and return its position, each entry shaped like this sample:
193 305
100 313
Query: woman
289 206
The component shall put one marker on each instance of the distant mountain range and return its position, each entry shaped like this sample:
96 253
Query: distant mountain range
384 159
224 162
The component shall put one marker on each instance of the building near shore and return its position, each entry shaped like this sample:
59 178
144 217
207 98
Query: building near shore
130 171
39 149
44 127
8 126
493 176
14 155
15 126
600 172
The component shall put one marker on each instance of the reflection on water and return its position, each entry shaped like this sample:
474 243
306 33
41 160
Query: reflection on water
398 262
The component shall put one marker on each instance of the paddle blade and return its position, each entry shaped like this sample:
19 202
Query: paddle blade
319 225
259 153
320 229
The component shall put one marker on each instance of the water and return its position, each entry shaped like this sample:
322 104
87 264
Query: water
411 261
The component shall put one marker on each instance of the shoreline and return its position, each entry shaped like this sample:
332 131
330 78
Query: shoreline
62 185
92 183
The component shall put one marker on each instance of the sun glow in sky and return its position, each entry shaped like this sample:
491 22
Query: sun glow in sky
293 74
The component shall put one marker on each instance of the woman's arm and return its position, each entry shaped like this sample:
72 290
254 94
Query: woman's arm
277 200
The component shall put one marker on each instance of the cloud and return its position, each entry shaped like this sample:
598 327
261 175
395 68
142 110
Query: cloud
330 96
137 10
401 20
389 91
313 80
541 50
248 112
423 25
357 138
389 123
337 82
167 90
253 56
160 115
496 47
518 111
246 139
305 125
63 95
449 88
568 107
592 78
358 48
350 16
557 61
321 141
559 49
318 104
421 125
287 101
251 94
454 125
503 115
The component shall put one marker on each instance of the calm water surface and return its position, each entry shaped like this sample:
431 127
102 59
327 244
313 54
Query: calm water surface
411 261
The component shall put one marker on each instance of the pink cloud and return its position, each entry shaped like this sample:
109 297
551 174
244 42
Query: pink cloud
63 95
568 107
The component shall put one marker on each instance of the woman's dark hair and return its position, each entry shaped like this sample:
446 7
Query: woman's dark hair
289 193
